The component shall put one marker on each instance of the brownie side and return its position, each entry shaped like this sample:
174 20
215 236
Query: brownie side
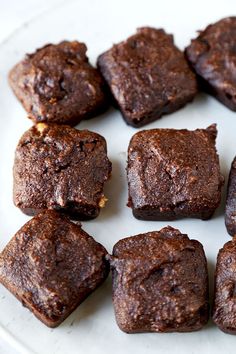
57 84
61 168
174 174
212 56
224 309
51 265
160 283
148 76
230 210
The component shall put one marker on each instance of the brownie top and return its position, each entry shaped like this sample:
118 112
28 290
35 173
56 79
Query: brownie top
49 261
155 245
49 62
58 84
212 54
160 282
146 71
56 164
171 167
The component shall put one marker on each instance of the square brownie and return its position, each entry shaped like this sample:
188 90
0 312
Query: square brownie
230 210
51 265
160 283
224 309
62 168
148 76
57 84
212 56
174 174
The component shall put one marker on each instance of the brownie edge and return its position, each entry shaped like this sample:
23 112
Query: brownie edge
224 306
212 56
160 283
51 265
230 210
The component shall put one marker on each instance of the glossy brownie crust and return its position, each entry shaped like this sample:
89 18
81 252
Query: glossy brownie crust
57 84
51 265
59 167
174 174
148 76
160 283
224 310
230 211
212 56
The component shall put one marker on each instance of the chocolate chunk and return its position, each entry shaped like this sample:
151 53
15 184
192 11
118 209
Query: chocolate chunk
224 310
51 265
57 84
230 210
213 57
160 283
59 167
148 76
174 174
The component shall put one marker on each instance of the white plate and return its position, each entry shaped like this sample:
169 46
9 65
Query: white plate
92 328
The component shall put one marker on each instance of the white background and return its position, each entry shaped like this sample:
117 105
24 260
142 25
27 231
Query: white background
26 25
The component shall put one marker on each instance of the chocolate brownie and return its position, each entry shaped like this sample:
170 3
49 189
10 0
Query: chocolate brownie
174 174
59 167
148 76
230 211
51 265
57 84
160 282
212 56
224 309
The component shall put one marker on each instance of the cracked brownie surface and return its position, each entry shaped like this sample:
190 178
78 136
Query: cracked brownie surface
224 309
51 265
59 167
160 282
148 76
212 56
57 84
174 173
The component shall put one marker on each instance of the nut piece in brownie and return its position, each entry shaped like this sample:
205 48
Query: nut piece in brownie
160 282
57 84
230 210
148 76
51 265
60 167
174 174
224 309
212 56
